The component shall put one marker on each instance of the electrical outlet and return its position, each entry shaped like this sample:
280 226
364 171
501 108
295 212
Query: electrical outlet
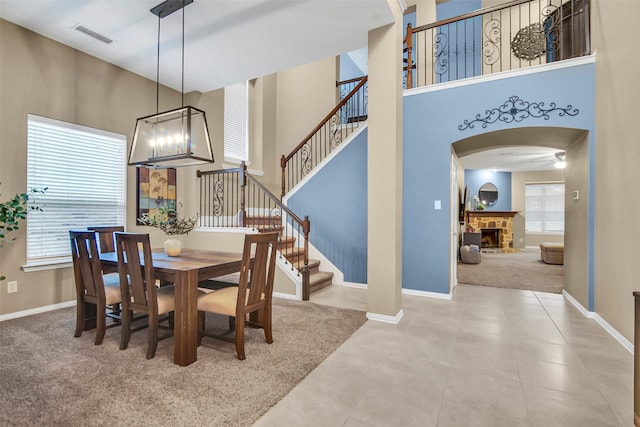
12 287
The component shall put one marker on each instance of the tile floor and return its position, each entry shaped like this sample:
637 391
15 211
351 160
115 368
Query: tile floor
488 357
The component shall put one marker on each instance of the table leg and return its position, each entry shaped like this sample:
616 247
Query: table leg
185 329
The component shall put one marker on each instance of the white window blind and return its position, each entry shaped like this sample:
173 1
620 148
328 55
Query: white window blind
544 208
236 123
84 171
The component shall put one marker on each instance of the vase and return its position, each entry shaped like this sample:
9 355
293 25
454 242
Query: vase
172 246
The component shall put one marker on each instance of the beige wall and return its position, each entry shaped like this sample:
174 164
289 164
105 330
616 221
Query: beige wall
43 77
518 202
305 95
576 221
615 32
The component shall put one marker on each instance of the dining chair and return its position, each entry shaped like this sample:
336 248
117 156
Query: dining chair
141 295
251 296
106 237
92 286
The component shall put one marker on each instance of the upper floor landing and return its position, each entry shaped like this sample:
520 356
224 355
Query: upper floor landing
511 36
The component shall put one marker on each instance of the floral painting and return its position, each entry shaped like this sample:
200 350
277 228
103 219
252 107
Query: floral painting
156 190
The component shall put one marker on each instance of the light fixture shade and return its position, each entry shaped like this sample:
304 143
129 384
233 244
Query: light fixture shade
171 139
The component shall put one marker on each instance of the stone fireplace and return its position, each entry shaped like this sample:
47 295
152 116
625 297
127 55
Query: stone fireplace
496 228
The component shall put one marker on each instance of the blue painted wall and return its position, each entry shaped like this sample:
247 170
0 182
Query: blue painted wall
474 178
335 199
453 8
431 121
348 69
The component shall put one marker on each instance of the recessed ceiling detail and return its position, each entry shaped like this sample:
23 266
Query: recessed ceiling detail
516 109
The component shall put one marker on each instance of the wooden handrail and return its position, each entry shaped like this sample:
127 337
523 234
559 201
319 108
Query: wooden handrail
326 119
473 14
344 82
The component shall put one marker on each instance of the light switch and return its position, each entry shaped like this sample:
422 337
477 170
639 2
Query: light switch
576 195
437 204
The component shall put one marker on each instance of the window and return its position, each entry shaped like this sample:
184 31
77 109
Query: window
83 170
236 123
544 208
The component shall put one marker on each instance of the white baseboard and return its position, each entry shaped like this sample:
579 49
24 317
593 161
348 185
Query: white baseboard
286 296
37 310
426 294
577 305
615 334
625 343
385 318
352 285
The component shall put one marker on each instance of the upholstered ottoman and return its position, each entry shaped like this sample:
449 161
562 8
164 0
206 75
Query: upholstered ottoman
552 253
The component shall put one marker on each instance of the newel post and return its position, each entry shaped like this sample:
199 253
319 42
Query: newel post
306 284
283 166
409 56
243 185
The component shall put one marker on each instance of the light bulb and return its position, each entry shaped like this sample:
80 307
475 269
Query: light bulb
560 165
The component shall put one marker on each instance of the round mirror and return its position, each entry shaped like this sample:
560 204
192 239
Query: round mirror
488 194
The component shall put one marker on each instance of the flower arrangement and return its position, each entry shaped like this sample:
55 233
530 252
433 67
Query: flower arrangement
170 222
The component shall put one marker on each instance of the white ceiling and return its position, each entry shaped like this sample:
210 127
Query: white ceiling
226 41
512 159
229 41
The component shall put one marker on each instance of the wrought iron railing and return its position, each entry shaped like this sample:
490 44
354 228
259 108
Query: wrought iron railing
514 35
347 116
234 198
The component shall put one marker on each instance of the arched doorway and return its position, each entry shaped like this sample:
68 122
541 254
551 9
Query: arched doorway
578 237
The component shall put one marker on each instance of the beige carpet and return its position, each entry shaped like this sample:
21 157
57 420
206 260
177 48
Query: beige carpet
47 377
521 270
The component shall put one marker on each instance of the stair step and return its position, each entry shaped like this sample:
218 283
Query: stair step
312 266
265 228
320 280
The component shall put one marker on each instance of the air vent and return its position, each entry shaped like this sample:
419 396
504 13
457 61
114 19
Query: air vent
93 34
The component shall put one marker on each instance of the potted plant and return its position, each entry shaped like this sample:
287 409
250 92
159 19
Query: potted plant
173 225
11 213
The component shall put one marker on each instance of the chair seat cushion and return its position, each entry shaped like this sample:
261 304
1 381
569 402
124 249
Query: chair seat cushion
166 299
222 301
112 288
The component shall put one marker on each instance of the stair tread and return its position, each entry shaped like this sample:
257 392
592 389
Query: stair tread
299 264
320 276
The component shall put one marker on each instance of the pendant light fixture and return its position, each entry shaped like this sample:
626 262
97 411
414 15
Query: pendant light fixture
174 138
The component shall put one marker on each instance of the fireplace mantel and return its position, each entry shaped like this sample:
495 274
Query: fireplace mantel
492 213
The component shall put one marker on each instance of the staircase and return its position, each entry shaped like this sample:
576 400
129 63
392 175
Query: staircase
291 252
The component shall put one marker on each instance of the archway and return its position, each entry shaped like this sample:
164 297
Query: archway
578 237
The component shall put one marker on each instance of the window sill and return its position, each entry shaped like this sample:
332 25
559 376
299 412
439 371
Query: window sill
48 264
231 164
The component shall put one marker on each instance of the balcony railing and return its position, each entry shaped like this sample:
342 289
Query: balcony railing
511 36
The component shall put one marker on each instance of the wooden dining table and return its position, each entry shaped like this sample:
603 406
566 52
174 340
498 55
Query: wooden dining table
185 271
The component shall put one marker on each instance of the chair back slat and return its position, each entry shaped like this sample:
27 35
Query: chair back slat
86 264
142 290
257 276
106 237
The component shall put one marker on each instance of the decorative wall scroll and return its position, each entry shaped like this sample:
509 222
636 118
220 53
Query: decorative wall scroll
516 109
156 190
529 42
